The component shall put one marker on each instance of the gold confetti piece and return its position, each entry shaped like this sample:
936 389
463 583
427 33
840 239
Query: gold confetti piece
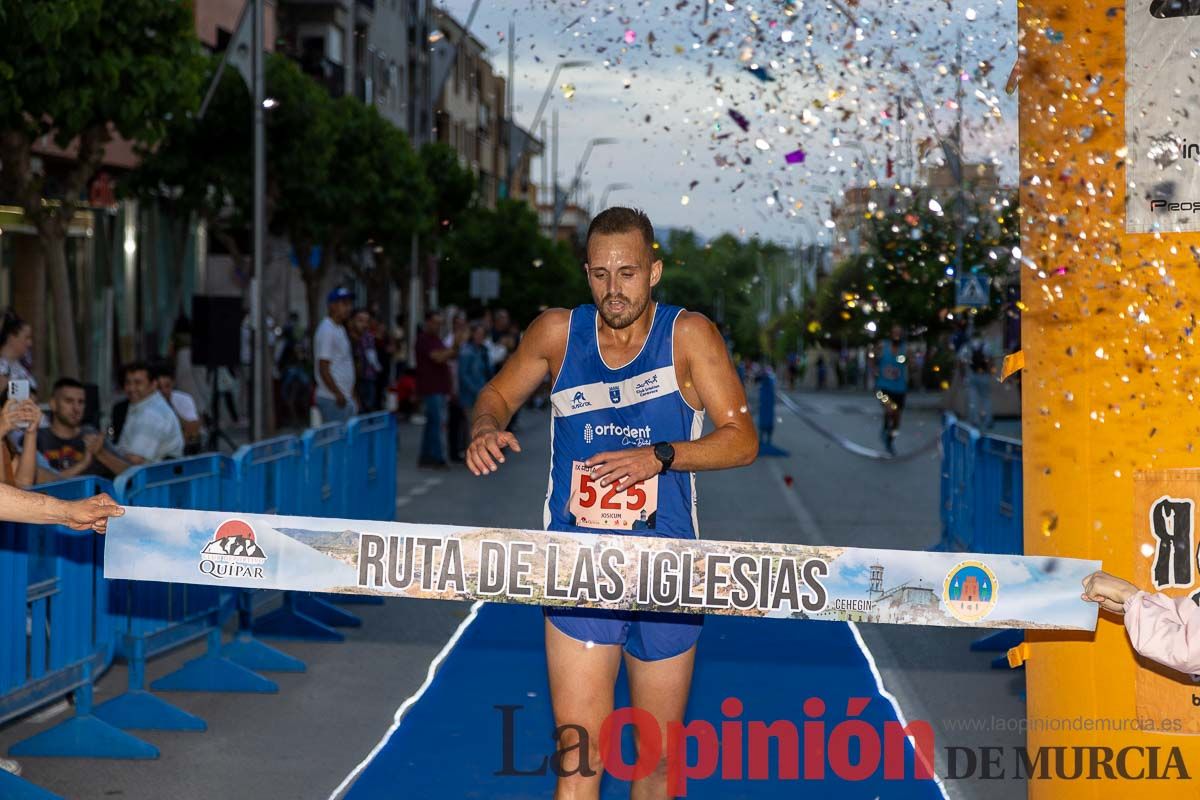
1014 77
1013 362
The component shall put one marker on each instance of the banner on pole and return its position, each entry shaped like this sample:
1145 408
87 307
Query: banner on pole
598 570
1162 155
1166 560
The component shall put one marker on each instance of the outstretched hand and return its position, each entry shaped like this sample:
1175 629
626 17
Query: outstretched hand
486 451
1109 591
92 512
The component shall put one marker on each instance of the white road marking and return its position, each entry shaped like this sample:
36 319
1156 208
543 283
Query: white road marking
812 530
409 702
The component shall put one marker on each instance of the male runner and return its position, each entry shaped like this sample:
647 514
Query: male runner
632 380
891 384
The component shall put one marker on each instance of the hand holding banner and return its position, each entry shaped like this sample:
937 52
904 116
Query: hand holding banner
598 571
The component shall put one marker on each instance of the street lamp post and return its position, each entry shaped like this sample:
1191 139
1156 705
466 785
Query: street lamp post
612 187
515 154
259 380
559 201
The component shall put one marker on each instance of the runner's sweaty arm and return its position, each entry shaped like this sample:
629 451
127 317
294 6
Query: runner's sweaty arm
539 354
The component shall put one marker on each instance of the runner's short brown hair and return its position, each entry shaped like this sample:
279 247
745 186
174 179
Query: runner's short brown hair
620 219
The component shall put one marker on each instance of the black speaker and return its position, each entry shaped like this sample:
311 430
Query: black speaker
216 331
91 405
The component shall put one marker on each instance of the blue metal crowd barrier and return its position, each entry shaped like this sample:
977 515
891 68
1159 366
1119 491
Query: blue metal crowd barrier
323 489
981 504
370 478
56 637
959 454
62 623
980 491
152 618
271 477
371 472
268 479
997 502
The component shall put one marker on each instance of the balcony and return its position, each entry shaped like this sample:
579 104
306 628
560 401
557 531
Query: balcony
325 72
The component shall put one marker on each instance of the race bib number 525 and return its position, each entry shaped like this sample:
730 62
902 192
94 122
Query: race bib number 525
596 506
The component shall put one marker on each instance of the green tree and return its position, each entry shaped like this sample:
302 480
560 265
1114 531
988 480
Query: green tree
718 279
453 186
201 170
453 201
535 272
376 196
912 256
302 187
845 303
905 274
82 72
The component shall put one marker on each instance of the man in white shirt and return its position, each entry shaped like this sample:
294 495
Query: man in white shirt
152 431
335 360
182 403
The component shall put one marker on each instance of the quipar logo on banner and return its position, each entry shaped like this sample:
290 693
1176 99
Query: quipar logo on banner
1166 560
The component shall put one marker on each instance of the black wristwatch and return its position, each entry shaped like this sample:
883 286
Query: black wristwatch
665 453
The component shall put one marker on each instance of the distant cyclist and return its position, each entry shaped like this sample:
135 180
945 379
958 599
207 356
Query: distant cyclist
891 384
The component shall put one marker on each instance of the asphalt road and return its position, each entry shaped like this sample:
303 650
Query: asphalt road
302 742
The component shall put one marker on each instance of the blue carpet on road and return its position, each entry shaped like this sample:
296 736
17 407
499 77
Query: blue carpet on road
450 743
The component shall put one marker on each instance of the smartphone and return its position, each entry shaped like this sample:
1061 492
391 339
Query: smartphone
18 389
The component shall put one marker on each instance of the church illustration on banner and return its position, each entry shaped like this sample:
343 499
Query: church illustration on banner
968 595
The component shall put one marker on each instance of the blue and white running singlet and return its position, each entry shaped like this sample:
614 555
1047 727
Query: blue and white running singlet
599 409
893 369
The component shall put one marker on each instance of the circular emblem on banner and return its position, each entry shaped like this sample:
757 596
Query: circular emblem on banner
970 591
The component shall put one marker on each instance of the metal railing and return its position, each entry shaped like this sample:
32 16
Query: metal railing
62 623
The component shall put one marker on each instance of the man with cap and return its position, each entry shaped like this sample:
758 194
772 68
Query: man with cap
335 359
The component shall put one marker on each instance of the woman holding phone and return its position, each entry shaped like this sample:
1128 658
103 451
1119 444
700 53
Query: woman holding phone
23 417
16 340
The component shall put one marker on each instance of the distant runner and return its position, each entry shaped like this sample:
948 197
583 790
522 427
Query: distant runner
891 384
632 380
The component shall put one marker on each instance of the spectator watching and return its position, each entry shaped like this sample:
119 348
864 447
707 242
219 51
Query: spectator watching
16 340
21 419
366 360
335 360
182 403
68 446
152 431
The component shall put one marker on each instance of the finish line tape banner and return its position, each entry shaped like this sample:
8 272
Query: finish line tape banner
547 568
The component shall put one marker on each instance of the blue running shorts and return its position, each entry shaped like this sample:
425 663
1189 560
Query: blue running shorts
645 635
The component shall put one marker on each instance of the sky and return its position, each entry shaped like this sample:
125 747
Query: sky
663 81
